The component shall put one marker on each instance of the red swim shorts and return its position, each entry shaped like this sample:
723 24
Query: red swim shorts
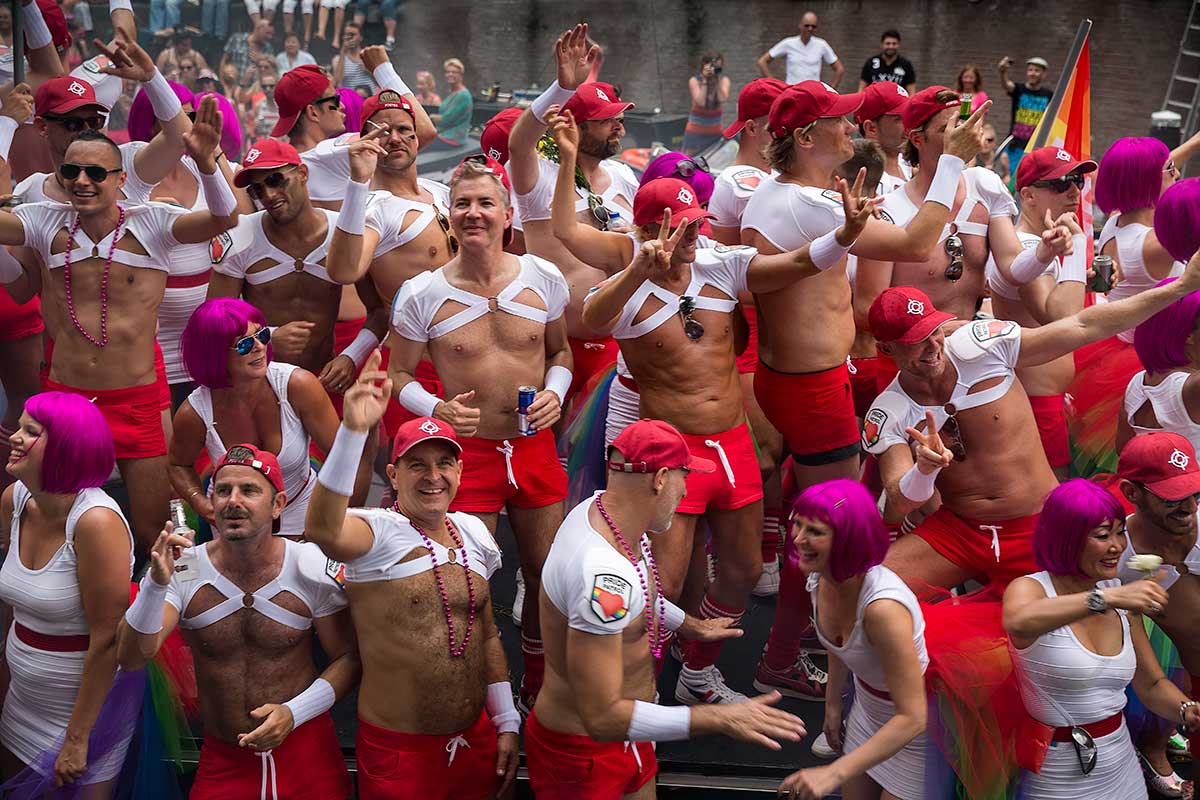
445 767
133 414
813 410
523 471
307 766
999 551
19 321
737 485
863 374
589 357
1051 415
569 766
747 362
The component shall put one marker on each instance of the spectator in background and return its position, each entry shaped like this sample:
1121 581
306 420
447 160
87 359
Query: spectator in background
889 65
244 50
348 69
339 17
214 18
805 54
970 84
186 73
453 119
292 56
989 157
165 17
207 81
180 51
289 17
1029 101
427 89
387 14
230 82
709 89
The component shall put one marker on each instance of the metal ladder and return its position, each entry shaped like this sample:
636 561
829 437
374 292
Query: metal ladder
1183 92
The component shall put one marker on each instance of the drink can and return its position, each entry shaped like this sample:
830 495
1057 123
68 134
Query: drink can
1102 267
525 395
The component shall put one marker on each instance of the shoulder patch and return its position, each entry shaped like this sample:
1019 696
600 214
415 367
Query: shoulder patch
346 139
336 571
611 597
987 329
830 194
747 179
219 246
873 425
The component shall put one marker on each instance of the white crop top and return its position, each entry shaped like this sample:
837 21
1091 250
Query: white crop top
150 224
983 187
1131 239
732 191
249 244
1010 291
535 206
386 214
395 539
1167 401
328 165
790 216
1171 574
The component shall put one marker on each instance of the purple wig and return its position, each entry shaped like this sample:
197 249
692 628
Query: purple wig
79 450
352 103
141 113
860 540
665 167
209 335
1177 219
1160 340
1130 174
231 130
1070 514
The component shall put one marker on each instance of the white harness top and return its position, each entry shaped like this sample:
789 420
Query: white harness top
386 214
250 245
789 215
983 187
1135 279
149 223
1167 401
733 189
395 539
535 206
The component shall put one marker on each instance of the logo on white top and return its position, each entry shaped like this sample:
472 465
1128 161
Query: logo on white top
429 426
685 197
1179 459
1063 155
916 307
77 89
600 93
252 156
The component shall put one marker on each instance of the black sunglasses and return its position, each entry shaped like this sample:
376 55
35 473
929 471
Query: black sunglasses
954 249
688 167
96 174
276 180
691 327
1061 185
444 224
245 345
599 212
1085 749
956 446
76 124
334 98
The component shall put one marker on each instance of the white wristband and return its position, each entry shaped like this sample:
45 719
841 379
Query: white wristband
10 268
363 345
414 397
386 77
36 33
118 5
554 95
558 380
673 616
945 181
1026 266
341 464
1074 266
654 723
352 218
145 614
916 485
501 709
314 701
162 97
218 196
8 128
825 251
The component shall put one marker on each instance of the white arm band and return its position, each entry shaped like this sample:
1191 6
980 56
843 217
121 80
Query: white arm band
673 616
162 97
314 701
945 181
826 252
362 346
341 464
8 128
353 216
217 194
554 95
145 614
414 397
558 380
386 77
501 709
654 723
10 268
916 485
36 33
117 5
1026 266
1074 266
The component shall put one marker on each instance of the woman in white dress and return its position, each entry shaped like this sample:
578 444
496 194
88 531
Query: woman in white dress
1076 650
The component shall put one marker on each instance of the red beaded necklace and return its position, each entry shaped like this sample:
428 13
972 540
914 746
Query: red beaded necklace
112 248
657 636
456 650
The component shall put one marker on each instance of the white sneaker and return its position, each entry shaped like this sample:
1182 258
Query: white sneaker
821 748
768 582
705 687
519 599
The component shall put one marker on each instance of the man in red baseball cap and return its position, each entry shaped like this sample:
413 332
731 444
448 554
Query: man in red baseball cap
435 712
494 142
957 419
879 119
737 182
248 604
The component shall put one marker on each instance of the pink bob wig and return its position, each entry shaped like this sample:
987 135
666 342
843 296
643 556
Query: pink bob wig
141 113
860 540
231 130
79 450
1130 174
352 103
1177 219
1161 341
209 335
667 166
1070 514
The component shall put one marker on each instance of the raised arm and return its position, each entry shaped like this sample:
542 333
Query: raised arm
40 51
187 443
320 421
376 59
1005 81
201 142
1018 264
352 246
603 305
150 619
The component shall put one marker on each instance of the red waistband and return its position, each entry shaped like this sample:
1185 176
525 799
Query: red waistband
146 393
188 281
869 689
53 644
388 738
628 382
1097 729
1016 523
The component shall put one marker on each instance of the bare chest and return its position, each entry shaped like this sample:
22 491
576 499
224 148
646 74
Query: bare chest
246 628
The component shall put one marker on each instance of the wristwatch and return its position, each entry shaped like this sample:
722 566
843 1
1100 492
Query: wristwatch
1095 601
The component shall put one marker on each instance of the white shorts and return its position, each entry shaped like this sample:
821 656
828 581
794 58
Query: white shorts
333 3
289 6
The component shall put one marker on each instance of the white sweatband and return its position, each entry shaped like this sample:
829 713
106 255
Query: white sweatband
501 709
118 5
673 616
10 268
825 251
314 701
554 95
654 723
1074 266
36 33
341 463
386 77
420 402
145 614
945 181
558 380
363 345
1026 266
162 97
916 485
8 128
217 194
352 218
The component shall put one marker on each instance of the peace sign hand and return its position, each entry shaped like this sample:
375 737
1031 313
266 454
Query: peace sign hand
575 54
857 207
129 61
931 453
654 256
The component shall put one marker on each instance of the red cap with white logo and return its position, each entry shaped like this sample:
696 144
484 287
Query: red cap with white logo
247 455
806 102
924 104
596 101
381 101
1048 163
63 94
494 139
423 429
662 193
649 445
881 98
265 154
1163 462
905 315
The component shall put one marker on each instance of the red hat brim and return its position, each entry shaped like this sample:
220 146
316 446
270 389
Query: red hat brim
1177 487
241 180
734 129
925 327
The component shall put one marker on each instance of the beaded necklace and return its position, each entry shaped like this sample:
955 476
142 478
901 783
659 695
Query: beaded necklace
112 248
657 636
456 650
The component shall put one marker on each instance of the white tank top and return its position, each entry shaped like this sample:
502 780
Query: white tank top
1063 683
1134 279
1167 401
47 600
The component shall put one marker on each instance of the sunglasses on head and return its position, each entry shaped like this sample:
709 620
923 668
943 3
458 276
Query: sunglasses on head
1060 185
245 345
76 124
688 167
956 446
335 99
954 249
276 180
444 224
691 327
96 174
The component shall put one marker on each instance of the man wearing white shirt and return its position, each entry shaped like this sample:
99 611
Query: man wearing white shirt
805 54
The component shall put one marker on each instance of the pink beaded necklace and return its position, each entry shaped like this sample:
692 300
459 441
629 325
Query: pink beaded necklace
657 637
456 650
112 248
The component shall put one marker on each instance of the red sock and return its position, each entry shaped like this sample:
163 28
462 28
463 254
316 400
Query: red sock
535 664
704 654
770 535
793 614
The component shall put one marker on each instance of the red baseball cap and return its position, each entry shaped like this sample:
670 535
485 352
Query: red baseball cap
388 98
65 93
880 99
56 23
494 139
650 445
297 88
265 154
1163 462
1048 163
423 429
653 198
924 104
247 455
806 102
496 168
905 315
596 101
755 101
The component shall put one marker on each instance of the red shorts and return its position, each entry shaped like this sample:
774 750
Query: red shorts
972 545
813 410
19 321
747 362
569 766
715 490
862 383
396 414
133 414
1051 415
589 357
307 766
396 765
491 467
887 371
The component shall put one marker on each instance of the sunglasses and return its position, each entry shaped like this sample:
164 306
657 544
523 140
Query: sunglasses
245 345
1085 749
954 249
956 447
1173 504
691 327
444 224
1060 185
602 214
96 174
76 124
276 180
335 99
689 167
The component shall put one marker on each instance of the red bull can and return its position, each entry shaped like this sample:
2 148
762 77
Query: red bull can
525 395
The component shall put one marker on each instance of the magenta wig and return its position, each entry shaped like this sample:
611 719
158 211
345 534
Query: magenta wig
79 450
1177 219
860 540
352 103
1070 514
141 113
231 129
1130 174
1160 340
666 166
209 335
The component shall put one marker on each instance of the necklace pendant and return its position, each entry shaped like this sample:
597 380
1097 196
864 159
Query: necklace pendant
298 265
450 556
